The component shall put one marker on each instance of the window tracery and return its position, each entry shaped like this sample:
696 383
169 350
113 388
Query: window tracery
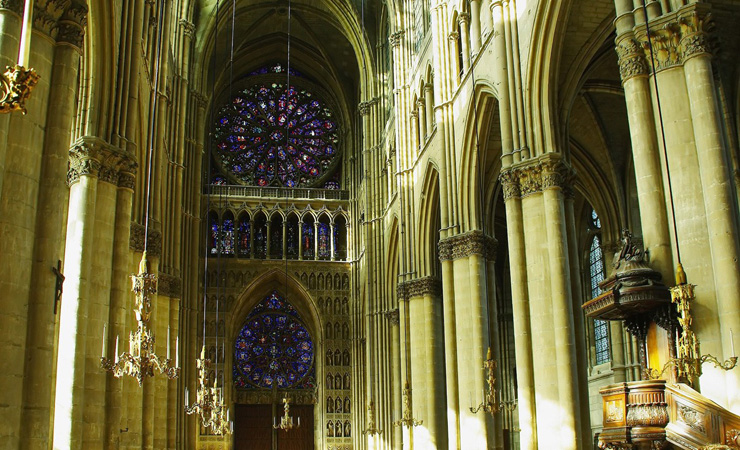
274 348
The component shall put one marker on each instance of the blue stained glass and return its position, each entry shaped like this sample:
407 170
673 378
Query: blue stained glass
251 132
274 347
244 231
324 244
307 240
227 237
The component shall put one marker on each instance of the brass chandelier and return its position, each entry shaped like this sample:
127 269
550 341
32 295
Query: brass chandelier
286 421
140 361
208 403
17 82
490 404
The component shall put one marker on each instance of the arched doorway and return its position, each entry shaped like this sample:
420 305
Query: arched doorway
274 357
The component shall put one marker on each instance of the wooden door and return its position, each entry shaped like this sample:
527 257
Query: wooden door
253 429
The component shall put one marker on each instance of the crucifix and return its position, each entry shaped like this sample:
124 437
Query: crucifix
60 281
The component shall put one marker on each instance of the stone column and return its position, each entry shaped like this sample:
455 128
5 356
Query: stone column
397 380
450 333
429 103
554 178
520 303
316 240
331 239
10 30
716 181
454 43
49 235
300 240
421 114
475 26
464 21
70 386
268 239
633 69
285 239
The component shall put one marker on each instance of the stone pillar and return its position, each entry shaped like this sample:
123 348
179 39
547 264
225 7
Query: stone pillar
468 252
49 236
475 26
454 43
464 21
316 240
268 239
10 30
716 181
520 303
645 151
331 239
429 103
397 380
69 401
554 179
450 333
285 239
421 114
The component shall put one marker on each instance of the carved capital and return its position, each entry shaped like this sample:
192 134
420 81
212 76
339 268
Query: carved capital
364 108
46 14
465 244
200 99
95 157
546 172
632 61
169 285
395 38
392 316
454 36
510 183
15 6
71 28
420 287
695 31
420 102
463 19
136 240
126 180
188 28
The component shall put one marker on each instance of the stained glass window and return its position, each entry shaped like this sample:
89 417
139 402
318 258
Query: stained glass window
274 348
214 236
307 240
596 270
252 147
324 244
244 238
292 236
227 237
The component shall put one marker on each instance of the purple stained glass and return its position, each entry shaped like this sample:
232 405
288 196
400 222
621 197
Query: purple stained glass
274 348
324 244
270 135
227 237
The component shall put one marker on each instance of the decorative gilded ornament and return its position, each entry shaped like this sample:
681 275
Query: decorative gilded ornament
16 85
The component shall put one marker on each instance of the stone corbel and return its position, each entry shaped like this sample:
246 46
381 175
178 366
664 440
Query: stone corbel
395 38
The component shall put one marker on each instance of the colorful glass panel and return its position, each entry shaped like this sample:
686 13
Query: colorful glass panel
214 237
272 135
244 231
324 244
227 237
307 240
292 236
596 270
274 348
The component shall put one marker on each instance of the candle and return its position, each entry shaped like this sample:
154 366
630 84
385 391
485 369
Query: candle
732 342
187 395
168 344
227 414
116 349
24 50
299 421
177 352
105 339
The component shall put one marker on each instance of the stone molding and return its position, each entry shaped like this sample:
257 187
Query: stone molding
136 240
169 285
188 27
15 6
465 244
539 174
364 107
200 99
675 39
463 19
46 14
95 157
71 27
393 316
419 288
395 38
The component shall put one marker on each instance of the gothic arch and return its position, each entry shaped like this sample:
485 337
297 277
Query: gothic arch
428 232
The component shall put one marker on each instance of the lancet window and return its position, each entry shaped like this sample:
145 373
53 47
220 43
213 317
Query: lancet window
596 272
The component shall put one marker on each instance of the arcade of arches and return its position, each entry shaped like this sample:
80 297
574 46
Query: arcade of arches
417 182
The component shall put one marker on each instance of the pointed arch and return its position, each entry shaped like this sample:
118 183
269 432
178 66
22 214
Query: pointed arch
429 213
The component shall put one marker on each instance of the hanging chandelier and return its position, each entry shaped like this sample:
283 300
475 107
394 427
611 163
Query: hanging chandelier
208 403
286 421
18 81
371 427
407 420
140 361
490 404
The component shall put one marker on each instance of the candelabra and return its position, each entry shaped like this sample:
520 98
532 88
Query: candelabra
16 85
141 361
490 404
286 421
408 418
689 361
208 400
371 429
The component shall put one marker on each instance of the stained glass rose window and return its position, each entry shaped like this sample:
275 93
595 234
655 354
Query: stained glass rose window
274 348
268 135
